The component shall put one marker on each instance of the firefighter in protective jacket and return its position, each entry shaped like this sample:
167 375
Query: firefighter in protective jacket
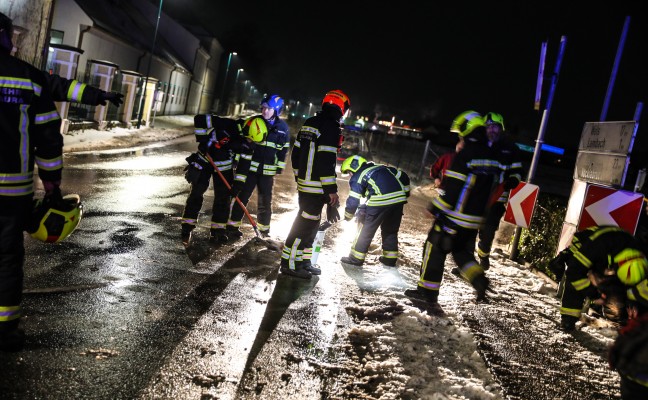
267 161
29 133
313 158
385 190
220 139
459 212
597 258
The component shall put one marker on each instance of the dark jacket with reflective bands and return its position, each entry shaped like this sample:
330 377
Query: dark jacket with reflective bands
510 163
29 129
314 153
269 157
468 183
221 138
72 90
380 185
594 250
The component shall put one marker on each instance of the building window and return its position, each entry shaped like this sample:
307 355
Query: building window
56 37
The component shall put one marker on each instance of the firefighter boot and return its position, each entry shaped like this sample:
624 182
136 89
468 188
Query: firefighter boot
218 236
484 262
185 234
421 294
390 262
481 285
12 339
352 261
298 272
311 268
233 233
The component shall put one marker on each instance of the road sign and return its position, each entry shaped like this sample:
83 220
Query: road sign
602 168
521 204
609 137
608 206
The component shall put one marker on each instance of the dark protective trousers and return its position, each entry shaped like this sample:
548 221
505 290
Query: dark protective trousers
388 219
302 233
12 257
438 245
489 228
220 208
263 184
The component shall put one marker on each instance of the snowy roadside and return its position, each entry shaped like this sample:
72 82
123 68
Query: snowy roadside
166 128
473 351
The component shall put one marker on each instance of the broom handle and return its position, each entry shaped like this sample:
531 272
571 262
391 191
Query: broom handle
240 203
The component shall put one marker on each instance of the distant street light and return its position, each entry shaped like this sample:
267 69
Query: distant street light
236 91
229 59
148 69
310 105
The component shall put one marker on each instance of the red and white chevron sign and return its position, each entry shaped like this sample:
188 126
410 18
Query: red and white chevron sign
521 204
608 206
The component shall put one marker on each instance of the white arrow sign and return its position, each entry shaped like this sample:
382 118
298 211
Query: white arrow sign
516 203
600 211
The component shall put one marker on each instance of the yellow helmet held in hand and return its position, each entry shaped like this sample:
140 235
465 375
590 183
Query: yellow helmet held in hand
632 266
52 222
352 164
255 129
466 122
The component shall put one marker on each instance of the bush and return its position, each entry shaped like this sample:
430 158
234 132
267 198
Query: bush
539 244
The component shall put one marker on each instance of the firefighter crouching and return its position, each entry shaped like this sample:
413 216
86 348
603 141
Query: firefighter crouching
386 190
609 263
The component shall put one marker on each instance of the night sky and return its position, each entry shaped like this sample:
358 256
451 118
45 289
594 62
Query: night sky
427 61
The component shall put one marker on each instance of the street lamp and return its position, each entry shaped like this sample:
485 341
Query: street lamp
245 95
236 91
229 59
148 69
309 108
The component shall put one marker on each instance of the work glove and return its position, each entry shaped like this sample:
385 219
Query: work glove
361 215
202 148
568 323
511 183
332 214
52 191
557 266
114 97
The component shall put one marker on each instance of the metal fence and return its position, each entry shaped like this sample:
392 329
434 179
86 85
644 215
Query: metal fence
414 156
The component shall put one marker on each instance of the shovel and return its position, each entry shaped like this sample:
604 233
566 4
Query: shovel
270 244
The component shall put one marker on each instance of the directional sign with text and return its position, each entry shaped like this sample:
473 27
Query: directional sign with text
521 204
609 137
609 206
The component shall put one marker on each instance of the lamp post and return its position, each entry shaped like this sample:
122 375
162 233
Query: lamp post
148 69
229 59
245 91
236 91
310 105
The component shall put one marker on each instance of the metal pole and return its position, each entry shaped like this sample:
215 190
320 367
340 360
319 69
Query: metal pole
425 153
148 69
615 68
229 59
541 133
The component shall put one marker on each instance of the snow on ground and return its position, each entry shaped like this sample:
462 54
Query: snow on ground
165 128
397 351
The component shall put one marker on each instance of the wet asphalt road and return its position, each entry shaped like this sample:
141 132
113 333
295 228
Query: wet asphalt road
121 310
